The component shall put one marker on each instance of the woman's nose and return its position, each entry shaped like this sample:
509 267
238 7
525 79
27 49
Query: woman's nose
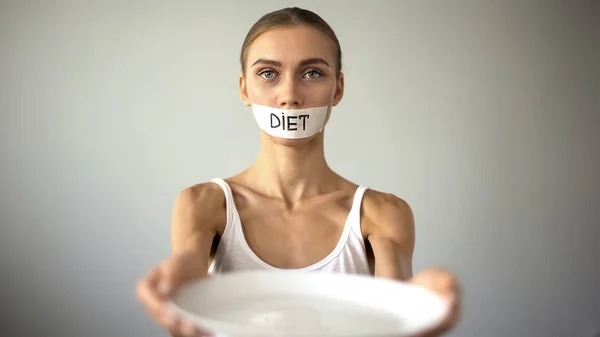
290 96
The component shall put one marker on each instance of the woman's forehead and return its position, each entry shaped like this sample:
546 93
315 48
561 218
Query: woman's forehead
291 45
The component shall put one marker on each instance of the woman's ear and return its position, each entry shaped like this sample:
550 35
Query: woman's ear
243 90
339 90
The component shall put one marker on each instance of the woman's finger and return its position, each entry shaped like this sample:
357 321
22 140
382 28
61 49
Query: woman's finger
146 291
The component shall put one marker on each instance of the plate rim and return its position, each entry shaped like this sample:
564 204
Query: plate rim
224 328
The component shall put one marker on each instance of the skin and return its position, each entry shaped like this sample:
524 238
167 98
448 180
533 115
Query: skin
291 203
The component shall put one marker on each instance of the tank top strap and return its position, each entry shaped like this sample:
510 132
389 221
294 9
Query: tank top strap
229 201
354 216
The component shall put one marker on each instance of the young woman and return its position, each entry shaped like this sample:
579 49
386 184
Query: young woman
289 210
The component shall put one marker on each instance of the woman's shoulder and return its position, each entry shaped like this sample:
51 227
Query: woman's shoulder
385 201
203 197
387 212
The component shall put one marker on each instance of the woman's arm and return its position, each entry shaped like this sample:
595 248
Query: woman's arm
390 229
197 214
389 224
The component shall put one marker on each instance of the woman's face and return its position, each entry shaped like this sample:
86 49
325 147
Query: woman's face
291 68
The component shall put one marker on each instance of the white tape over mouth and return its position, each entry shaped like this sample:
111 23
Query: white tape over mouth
290 123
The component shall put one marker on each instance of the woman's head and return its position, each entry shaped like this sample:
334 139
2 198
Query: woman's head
286 18
291 59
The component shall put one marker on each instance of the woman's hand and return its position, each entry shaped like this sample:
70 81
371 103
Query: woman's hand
445 284
162 282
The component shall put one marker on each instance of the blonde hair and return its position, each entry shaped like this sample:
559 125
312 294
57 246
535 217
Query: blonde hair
288 17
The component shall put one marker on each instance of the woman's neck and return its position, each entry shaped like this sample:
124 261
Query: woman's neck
291 172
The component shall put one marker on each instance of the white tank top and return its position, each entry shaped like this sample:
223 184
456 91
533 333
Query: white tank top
234 254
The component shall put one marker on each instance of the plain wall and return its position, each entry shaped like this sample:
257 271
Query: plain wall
483 115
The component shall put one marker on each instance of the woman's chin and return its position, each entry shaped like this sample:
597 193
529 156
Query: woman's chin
292 142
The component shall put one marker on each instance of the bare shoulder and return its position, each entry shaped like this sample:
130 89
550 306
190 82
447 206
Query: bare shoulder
385 214
201 198
199 212
388 226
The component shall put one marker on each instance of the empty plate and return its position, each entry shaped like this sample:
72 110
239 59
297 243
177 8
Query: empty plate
295 304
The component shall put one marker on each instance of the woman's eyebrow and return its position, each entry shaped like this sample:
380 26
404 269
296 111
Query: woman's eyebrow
314 60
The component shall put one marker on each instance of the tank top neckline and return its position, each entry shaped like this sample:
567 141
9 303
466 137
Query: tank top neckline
234 223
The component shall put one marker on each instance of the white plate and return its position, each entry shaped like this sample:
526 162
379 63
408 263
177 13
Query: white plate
295 304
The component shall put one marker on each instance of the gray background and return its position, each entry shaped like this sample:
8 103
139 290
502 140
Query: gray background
483 115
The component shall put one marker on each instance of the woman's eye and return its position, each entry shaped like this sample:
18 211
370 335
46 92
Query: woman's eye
313 74
267 74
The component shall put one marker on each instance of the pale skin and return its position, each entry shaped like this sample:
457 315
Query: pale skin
291 203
